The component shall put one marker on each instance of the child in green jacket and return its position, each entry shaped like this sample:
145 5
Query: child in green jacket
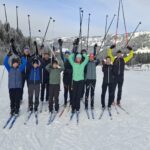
78 78
54 84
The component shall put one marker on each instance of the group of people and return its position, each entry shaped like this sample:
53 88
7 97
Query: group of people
42 74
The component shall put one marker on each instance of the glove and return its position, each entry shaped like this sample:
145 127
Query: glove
129 48
95 46
35 43
112 46
9 53
12 41
76 41
103 62
19 54
42 46
60 41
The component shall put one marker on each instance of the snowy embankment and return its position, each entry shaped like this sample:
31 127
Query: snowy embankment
124 132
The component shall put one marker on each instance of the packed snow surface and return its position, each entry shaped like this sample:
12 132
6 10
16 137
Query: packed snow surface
125 132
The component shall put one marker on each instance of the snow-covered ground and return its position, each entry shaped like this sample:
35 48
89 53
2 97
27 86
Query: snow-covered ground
124 132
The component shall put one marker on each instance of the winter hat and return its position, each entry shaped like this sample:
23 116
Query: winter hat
83 51
26 49
35 61
78 56
54 62
119 51
91 56
67 52
46 52
15 60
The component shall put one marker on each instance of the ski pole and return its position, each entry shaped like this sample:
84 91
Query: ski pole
133 34
5 12
46 30
117 26
17 18
124 21
88 31
81 19
106 24
107 32
2 76
29 30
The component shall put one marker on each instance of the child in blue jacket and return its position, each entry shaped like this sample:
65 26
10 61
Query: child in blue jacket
15 81
34 81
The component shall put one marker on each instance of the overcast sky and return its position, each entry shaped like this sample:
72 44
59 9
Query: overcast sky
66 14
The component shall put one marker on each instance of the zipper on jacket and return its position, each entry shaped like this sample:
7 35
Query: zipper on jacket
42 75
119 67
34 75
108 75
15 78
26 66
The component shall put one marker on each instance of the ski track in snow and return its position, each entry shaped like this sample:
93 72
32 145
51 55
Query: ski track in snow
124 132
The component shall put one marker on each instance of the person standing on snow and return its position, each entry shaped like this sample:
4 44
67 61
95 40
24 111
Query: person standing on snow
14 81
45 60
25 73
108 82
90 78
83 51
118 66
34 80
67 74
78 78
54 84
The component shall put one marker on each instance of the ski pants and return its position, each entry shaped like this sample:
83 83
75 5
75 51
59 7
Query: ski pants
54 96
33 89
90 88
118 82
15 95
77 92
110 91
44 87
83 89
67 89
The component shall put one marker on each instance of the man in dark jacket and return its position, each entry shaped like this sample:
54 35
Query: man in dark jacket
67 74
45 76
67 77
108 81
15 82
118 66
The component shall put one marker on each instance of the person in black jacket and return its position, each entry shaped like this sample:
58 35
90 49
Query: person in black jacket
67 78
119 66
108 81
45 76
84 51
67 74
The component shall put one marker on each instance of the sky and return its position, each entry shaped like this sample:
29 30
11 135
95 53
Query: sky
66 14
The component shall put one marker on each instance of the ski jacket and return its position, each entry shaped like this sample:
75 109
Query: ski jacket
44 72
91 69
78 69
119 63
15 74
54 74
108 74
25 73
34 74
